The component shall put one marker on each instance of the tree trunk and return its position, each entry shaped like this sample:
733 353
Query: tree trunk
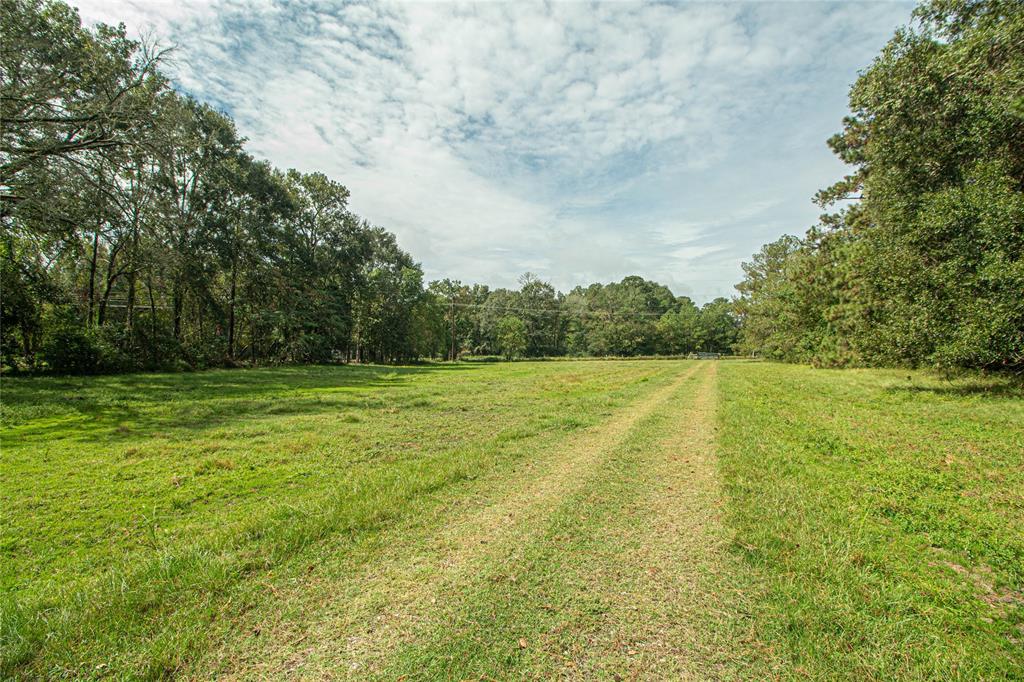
132 277
92 271
152 316
231 310
176 304
129 322
26 343
451 356
111 277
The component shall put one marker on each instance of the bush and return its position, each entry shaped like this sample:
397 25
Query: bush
115 352
68 349
154 346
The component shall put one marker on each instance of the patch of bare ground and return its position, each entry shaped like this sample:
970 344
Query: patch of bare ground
983 579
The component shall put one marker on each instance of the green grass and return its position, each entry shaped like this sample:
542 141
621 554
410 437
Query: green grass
583 519
884 513
136 507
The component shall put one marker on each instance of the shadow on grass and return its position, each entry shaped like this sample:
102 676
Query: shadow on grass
125 406
996 389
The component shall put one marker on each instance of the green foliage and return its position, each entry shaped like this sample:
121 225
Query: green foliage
26 288
718 326
69 349
926 268
141 216
631 318
512 337
66 90
621 318
136 211
680 332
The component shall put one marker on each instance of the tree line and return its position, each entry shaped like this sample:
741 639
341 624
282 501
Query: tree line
630 318
139 233
923 262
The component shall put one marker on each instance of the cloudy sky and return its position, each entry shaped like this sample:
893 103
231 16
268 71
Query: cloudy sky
580 142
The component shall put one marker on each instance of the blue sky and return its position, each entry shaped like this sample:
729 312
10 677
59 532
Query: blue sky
582 142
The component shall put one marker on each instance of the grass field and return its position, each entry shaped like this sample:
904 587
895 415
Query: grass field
587 520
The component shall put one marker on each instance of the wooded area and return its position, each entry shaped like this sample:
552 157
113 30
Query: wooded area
925 266
138 233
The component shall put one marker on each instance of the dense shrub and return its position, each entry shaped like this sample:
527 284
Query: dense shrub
68 349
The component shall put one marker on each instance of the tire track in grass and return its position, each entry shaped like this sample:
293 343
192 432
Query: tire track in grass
630 578
677 608
363 619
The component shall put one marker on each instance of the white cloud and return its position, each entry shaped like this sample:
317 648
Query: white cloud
584 141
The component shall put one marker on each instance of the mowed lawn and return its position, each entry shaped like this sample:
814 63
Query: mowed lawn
576 519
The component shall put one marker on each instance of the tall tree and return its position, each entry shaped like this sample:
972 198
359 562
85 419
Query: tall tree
926 266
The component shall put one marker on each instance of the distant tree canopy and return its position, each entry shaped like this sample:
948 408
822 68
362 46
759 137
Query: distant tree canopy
630 318
511 337
926 266
137 232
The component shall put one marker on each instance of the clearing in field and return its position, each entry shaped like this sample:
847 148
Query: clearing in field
583 520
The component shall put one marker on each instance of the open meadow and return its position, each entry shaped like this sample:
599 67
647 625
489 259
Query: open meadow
473 341
582 519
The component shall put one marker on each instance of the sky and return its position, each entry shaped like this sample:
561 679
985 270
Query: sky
581 142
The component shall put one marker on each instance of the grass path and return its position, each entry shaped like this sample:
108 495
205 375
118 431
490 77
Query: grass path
596 558
677 611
